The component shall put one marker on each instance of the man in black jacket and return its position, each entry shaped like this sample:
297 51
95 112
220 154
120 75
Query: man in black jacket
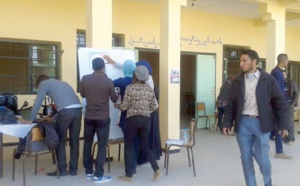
291 94
254 101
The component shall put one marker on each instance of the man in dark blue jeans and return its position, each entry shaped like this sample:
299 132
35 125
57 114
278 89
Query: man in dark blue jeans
282 62
97 88
68 118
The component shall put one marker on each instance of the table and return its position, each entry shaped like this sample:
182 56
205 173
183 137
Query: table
16 130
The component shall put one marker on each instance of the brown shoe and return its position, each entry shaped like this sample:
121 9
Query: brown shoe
157 175
283 156
125 178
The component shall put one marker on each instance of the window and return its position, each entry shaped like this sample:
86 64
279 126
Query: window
21 63
81 42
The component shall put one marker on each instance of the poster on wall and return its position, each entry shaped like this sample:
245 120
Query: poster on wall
174 76
85 57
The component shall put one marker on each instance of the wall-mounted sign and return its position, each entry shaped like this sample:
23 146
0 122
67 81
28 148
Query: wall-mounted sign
175 76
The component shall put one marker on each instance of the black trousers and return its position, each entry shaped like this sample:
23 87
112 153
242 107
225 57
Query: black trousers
137 125
101 128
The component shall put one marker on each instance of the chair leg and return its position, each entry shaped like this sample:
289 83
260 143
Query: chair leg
168 153
93 151
119 154
165 155
209 123
24 171
35 166
188 153
14 165
193 162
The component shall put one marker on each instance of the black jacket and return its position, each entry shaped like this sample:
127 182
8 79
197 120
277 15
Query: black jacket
270 103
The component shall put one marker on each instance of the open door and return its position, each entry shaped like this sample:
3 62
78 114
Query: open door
206 85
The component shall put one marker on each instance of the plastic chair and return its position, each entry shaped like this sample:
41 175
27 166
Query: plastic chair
34 147
179 143
201 113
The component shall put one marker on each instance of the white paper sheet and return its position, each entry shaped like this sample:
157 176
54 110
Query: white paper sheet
16 130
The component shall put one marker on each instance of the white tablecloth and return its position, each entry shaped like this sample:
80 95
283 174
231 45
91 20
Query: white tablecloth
16 130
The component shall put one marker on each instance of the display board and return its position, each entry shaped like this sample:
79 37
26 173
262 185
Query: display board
85 57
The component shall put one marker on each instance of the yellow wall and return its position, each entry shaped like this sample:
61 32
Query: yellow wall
57 21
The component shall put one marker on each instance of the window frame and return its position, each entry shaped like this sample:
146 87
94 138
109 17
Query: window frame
30 85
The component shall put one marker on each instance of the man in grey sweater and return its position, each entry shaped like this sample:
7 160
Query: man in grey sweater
68 118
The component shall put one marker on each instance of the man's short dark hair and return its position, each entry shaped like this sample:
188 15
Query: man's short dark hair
41 78
98 63
281 57
252 54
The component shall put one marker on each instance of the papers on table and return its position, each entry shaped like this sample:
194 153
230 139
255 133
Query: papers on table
16 130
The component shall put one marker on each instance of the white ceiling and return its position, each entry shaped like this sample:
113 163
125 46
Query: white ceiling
240 8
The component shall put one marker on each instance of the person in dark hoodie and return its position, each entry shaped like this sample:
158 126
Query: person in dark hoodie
222 100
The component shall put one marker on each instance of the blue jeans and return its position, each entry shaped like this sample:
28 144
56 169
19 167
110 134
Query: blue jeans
68 119
101 128
254 143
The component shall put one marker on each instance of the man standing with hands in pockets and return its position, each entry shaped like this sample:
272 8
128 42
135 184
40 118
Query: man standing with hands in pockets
254 102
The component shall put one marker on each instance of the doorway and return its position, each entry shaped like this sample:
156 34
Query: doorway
195 70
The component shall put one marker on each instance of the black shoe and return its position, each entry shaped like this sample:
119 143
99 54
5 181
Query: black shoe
55 173
73 173
18 155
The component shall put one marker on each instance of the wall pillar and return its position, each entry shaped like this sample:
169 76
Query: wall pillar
169 106
99 24
274 15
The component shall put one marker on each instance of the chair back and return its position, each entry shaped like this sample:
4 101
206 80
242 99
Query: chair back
35 141
192 130
201 109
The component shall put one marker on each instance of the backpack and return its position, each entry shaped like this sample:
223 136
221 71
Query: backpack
10 101
7 116
48 130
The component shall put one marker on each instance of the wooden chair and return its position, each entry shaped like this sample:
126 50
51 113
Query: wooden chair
34 147
179 143
201 113
110 142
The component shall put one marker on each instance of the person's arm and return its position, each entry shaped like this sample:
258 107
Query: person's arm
150 82
231 108
42 91
111 61
112 93
280 107
279 78
126 100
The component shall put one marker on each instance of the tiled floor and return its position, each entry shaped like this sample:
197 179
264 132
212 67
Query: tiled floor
216 158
